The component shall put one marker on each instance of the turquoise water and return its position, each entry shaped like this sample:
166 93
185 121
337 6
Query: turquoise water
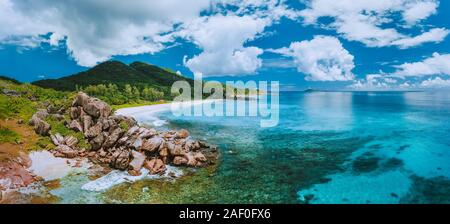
332 147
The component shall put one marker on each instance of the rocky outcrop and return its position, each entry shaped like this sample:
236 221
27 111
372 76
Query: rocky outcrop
131 148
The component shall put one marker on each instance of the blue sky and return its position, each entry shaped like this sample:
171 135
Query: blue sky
355 45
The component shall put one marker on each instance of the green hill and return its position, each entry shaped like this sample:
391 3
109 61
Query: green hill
137 74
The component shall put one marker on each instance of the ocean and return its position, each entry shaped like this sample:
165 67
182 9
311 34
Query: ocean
329 147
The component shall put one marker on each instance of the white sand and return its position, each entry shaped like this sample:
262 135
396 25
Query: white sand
147 114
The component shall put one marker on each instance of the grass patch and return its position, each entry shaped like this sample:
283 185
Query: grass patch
8 136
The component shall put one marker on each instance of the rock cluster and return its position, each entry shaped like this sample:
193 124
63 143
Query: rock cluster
120 142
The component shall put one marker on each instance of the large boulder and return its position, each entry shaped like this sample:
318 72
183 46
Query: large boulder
155 166
152 144
40 114
41 127
113 137
75 112
97 108
87 122
97 142
94 131
120 159
138 160
81 99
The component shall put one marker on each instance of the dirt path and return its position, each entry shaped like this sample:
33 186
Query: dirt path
28 139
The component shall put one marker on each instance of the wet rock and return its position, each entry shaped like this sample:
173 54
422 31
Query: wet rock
200 157
164 152
120 159
191 161
138 160
182 134
152 144
76 126
176 150
134 172
155 166
137 144
179 160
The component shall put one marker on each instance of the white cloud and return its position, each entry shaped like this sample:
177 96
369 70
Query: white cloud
321 59
361 20
94 31
222 40
435 83
97 30
434 35
438 64
223 36
419 10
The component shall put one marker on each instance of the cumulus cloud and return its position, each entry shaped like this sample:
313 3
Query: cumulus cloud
321 59
222 36
438 64
97 30
94 31
222 40
361 20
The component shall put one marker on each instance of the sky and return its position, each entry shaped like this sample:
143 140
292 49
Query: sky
322 44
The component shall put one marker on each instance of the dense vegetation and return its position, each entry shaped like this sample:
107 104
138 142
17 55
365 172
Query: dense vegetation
115 95
137 74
